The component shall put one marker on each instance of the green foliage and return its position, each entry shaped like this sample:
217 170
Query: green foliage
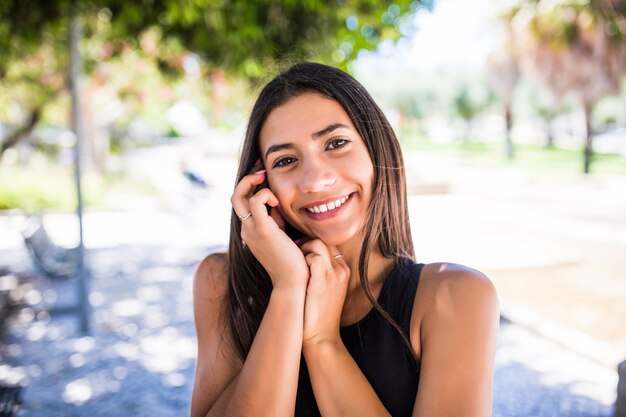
44 185
472 99
35 189
577 45
136 38
237 36
565 22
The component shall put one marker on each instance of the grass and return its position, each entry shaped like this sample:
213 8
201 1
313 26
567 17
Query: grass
45 185
526 157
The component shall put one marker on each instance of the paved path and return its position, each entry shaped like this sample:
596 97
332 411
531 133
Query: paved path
139 359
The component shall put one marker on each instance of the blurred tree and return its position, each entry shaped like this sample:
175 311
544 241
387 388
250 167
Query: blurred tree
236 36
576 46
469 101
504 71
547 108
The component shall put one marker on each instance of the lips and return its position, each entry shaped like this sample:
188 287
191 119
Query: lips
324 207
328 208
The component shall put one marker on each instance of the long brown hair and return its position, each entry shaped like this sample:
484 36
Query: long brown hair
387 223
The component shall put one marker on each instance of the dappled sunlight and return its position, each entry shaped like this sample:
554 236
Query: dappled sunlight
128 351
128 307
12 375
161 274
166 351
528 364
78 391
155 318
142 332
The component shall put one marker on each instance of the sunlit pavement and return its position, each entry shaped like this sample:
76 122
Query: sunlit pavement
139 358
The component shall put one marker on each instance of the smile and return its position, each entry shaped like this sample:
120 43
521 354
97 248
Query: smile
323 208
327 210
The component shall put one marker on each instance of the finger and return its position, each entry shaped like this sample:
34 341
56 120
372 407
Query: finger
316 263
258 202
335 255
243 191
318 247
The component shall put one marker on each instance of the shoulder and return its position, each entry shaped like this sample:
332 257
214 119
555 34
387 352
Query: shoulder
455 336
210 308
449 284
217 361
210 294
210 280
452 295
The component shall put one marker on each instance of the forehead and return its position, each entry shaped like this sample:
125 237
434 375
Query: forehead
300 117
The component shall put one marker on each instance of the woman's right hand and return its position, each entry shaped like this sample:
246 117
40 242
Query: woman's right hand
264 233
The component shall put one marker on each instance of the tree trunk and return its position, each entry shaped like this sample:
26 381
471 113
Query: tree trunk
550 136
508 118
75 72
588 151
22 131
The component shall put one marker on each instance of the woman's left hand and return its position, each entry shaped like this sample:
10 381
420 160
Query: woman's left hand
326 292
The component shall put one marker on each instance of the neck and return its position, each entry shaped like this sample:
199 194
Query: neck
377 266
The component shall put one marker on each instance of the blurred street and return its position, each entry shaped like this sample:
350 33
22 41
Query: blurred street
139 358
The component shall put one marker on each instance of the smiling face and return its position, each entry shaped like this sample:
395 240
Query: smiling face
318 167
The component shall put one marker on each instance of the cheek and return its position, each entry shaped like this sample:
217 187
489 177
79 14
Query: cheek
365 173
280 190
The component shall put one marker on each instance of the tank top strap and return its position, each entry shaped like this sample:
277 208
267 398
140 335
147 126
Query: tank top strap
399 292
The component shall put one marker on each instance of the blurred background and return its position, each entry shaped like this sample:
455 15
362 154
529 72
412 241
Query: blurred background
120 127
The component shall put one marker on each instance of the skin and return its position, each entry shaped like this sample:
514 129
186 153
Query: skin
316 154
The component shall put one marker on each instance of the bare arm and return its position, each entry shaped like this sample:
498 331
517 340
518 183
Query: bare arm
265 384
455 323
455 319
340 387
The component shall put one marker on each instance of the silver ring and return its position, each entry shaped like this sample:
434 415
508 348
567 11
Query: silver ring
339 255
244 218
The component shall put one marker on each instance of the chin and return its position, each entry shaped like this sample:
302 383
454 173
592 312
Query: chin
335 239
332 241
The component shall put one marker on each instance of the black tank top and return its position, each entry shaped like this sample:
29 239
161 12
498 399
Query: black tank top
378 349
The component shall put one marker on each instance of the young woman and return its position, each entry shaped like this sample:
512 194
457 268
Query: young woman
316 308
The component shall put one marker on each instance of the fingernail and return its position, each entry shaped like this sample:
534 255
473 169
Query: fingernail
260 172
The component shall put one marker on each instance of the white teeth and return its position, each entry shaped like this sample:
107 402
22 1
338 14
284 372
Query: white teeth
323 208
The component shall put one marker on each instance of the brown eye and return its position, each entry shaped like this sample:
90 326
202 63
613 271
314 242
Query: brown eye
282 162
336 143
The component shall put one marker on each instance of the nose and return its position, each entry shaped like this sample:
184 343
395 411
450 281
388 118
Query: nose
316 176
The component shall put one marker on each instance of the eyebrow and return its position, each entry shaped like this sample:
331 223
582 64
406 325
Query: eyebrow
316 135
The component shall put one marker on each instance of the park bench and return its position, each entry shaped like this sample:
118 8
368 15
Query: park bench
51 259
620 405
8 283
58 262
10 399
